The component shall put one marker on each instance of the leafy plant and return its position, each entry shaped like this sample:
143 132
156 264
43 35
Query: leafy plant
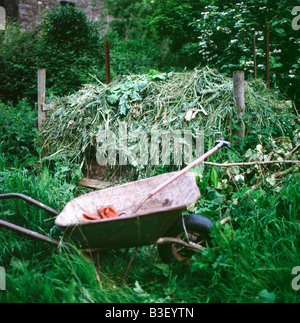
66 43
226 40
18 134
72 49
19 57
130 17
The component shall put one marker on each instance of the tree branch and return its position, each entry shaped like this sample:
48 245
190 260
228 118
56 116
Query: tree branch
254 163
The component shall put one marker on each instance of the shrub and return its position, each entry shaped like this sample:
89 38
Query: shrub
226 40
72 49
18 131
66 44
19 56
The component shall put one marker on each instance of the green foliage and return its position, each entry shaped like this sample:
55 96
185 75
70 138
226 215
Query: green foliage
130 17
72 49
19 57
135 56
172 20
130 91
163 27
252 255
69 26
18 133
226 40
66 44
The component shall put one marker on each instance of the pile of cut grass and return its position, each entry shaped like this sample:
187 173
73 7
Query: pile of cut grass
201 99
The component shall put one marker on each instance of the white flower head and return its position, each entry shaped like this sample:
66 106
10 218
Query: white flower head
239 177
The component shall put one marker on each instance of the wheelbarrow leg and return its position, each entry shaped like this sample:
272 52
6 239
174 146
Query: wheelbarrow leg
128 267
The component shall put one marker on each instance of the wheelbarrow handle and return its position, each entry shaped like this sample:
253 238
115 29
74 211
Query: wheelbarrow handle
29 200
19 229
222 143
27 232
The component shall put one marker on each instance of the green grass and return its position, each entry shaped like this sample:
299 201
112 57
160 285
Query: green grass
251 258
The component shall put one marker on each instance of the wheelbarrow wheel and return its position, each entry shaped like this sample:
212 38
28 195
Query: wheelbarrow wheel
198 230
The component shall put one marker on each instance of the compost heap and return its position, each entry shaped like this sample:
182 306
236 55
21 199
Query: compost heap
199 99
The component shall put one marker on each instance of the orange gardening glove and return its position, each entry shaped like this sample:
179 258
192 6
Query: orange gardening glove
90 216
108 212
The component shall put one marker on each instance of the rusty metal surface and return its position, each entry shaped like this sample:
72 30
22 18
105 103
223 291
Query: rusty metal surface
127 230
268 56
27 232
123 232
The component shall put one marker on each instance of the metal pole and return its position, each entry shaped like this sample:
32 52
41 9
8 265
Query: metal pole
107 61
254 55
29 200
268 56
27 232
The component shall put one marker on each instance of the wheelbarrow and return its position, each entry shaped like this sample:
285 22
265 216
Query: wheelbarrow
157 218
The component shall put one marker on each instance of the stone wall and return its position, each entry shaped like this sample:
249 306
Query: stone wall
10 7
29 12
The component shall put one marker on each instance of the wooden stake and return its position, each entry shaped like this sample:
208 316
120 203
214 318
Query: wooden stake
239 99
41 97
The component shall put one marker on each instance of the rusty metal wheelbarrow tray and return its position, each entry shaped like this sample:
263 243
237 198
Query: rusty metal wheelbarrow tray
128 230
145 227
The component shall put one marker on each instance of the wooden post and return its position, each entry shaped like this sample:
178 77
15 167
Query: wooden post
107 61
239 99
41 97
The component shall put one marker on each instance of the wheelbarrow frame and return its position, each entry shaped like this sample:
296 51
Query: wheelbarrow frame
161 240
